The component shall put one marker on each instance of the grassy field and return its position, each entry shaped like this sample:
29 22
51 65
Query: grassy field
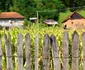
63 15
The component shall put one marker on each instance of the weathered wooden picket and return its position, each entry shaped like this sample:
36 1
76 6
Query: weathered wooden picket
48 41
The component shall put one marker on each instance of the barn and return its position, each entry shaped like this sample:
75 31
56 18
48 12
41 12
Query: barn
74 20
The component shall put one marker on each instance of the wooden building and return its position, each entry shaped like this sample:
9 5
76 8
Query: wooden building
74 20
11 19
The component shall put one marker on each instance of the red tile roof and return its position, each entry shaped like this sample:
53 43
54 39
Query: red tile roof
6 15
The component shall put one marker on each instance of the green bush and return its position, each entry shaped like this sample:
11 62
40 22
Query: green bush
1 27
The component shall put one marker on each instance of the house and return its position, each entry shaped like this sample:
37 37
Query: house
11 19
50 22
74 20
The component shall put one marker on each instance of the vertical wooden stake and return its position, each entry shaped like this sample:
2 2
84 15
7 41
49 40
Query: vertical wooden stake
75 50
46 53
20 51
83 45
8 52
55 54
65 45
28 54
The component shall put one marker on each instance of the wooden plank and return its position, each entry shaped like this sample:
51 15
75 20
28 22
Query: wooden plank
46 52
0 54
20 52
65 45
28 54
36 51
83 46
75 50
55 54
8 52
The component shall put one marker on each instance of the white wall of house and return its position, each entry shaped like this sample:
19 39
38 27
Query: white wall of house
11 22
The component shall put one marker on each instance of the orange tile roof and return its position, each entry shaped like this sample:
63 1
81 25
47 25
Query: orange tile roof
5 15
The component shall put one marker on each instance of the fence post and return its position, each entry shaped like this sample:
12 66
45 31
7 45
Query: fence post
65 45
8 52
75 50
46 52
36 51
83 46
20 52
0 54
28 54
55 54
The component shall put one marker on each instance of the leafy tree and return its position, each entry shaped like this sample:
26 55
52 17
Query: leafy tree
14 6
51 8
73 4
28 8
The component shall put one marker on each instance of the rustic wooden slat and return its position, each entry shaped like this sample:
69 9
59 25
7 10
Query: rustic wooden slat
36 51
8 52
55 54
75 50
46 52
28 54
0 54
65 44
83 45
20 51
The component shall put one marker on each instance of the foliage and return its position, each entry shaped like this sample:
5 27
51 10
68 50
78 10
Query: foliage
26 22
1 27
64 14
74 4
28 8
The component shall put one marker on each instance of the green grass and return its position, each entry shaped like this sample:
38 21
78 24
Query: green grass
82 12
63 15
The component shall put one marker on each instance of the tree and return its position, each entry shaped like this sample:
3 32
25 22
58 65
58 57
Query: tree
73 4
52 8
28 8
14 6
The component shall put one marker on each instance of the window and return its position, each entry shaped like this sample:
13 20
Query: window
65 26
10 21
71 22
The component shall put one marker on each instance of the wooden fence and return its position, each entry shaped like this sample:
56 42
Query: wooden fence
47 43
